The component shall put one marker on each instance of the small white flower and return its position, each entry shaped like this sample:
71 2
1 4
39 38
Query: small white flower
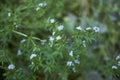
118 63
52 20
70 63
118 57
71 53
114 67
53 33
16 26
51 38
74 70
37 8
19 52
84 44
60 27
32 56
9 14
88 28
77 61
23 40
58 38
32 63
96 29
40 4
79 28
11 66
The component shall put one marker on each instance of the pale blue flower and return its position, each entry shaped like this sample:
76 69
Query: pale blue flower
11 66
60 27
19 52
9 14
114 67
117 57
96 29
77 61
118 63
70 63
51 38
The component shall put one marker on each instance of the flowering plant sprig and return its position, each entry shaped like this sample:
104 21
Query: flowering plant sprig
40 45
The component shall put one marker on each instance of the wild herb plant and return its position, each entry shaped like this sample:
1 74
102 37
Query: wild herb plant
36 45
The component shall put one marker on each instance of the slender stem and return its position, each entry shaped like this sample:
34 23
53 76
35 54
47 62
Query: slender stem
22 34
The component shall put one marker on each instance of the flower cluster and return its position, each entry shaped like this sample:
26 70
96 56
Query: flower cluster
118 62
71 63
40 5
56 37
96 29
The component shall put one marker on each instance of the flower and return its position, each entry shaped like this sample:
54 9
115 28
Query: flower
73 69
51 38
96 29
32 63
11 66
71 53
77 61
19 52
53 33
23 40
45 4
60 27
58 38
118 57
37 8
114 67
79 28
41 4
118 63
16 26
84 45
9 14
52 20
32 56
88 28
70 63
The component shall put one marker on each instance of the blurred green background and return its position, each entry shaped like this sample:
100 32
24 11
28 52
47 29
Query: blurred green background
102 13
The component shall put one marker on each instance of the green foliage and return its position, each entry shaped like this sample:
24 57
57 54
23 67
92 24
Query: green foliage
58 39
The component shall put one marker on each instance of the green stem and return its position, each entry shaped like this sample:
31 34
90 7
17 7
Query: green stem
22 34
